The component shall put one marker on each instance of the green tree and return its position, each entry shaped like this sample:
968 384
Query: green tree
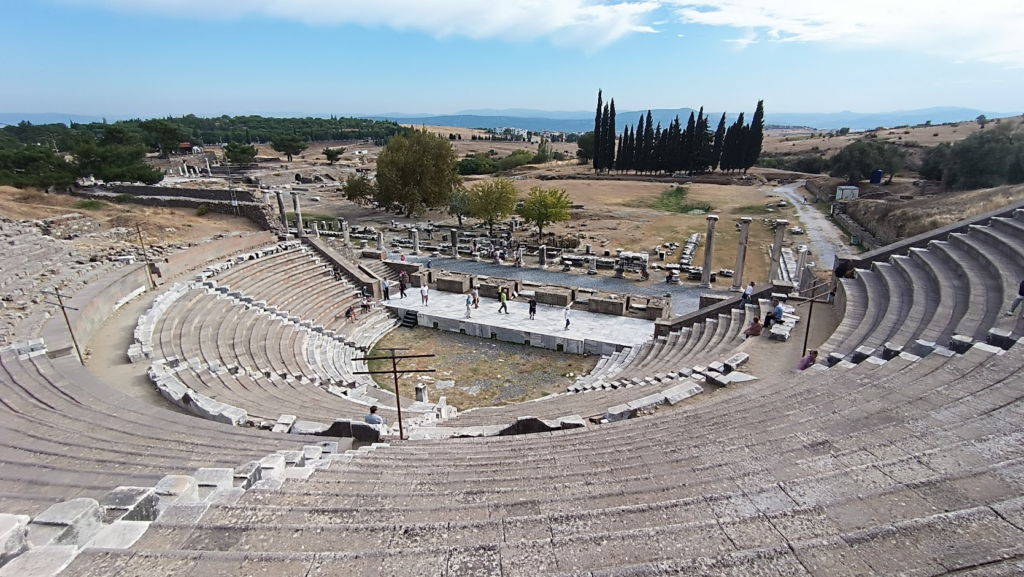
458 204
856 161
544 206
893 159
586 146
240 154
492 201
162 135
608 136
116 163
333 154
360 189
34 166
288 145
598 134
717 143
543 152
981 120
935 161
417 172
755 137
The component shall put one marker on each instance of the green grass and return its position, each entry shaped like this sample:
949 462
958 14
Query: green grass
760 209
673 200
91 205
311 216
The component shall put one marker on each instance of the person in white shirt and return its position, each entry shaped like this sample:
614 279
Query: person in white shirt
424 294
567 309
748 294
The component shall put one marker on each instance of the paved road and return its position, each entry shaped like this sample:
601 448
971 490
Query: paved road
823 237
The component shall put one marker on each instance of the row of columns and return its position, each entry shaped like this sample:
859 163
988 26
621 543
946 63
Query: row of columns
741 253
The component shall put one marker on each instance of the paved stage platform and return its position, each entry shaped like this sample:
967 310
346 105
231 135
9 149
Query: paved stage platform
588 332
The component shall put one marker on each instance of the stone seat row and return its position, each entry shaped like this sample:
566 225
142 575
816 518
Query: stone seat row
869 468
959 286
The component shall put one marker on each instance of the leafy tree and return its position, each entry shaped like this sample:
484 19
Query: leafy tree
288 145
981 120
162 135
543 152
893 159
241 154
116 163
458 204
586 145
935 161
417 172
34 166
476 165
608 136
598 134
856 161
544 206
492 201
333 154
843 131
360 189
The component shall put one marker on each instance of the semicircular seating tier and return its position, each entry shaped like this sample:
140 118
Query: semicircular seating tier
269 336
957 287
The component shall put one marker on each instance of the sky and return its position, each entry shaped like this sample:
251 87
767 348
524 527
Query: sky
145 58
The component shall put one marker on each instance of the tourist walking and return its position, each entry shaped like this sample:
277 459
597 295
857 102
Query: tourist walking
1017 301
503 296
469 306
748 294
424 295
476 297
401 286
386 286
807 361
567 309
533 307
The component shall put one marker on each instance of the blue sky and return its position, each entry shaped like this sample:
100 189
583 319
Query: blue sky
159 57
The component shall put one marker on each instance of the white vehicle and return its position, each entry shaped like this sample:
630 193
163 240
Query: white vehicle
796 230
315 198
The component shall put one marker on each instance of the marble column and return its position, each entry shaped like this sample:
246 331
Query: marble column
298 216
316 230
415 241
780 234
709 249
343 225
741 254
454 236
801 264
542 254
380 242
280 206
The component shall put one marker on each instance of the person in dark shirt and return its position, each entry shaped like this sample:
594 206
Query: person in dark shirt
1017 301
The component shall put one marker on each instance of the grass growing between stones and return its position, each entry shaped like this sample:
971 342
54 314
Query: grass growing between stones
485 372
90 205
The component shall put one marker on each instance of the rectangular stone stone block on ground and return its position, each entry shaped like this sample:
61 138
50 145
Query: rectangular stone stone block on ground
681 392
13 536
619 413
130 504
72 522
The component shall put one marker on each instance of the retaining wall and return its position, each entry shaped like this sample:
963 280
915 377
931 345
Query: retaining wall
662 327
193 193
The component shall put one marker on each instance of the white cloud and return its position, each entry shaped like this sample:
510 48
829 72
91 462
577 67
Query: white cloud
593 22
746 40
982 30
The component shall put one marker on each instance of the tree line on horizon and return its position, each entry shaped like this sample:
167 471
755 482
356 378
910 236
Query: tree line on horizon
646 148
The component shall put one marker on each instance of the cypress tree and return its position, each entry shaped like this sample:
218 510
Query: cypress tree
689 145
609 160
630 149
638 146
598 124
732 151
702 142
620 153
649 163
606 136
716 147
755 137
672 147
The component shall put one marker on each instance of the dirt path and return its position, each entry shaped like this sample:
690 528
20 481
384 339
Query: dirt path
824 237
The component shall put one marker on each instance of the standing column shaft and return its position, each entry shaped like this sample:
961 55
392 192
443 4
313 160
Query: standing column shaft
780 233
801 264
298 216
316 230
280 206
343 224
455 243
741 254
380 242
415 241
709 249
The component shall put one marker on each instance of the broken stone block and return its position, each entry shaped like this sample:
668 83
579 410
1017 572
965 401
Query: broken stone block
619 413
130 504
1000 338
922 348
834 359
717 366
184 513
72 522
681 392
890 351
960 344
646 403
780 332
13 536
736 361
48 560
340 428
861 354
272 466
247 475
365 432
119 535
212 479
308 428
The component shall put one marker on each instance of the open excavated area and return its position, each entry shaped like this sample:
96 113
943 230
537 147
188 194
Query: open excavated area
474 372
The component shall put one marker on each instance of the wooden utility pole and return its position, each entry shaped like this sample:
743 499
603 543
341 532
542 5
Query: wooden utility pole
395 373
145 256
64 309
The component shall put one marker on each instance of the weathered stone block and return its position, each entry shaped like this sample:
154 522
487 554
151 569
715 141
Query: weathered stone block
681 392
308 428
960 344
619 413
72 522
365 432
736 361
861 354
922 348
1000 338
248 474
119 535
572 422
646 403
453 284
183 513
39 561
340 428
13 536
130 504
607 306
891 351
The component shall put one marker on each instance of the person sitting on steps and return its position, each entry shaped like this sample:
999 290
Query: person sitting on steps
775 316
373 418
754 330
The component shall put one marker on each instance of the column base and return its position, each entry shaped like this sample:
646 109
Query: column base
736 289
704 285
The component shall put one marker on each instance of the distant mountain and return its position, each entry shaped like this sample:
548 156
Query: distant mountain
581 121
47 118
530 113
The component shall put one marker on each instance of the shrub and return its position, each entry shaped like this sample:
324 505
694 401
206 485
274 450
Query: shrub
202 210
90 205
124 198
